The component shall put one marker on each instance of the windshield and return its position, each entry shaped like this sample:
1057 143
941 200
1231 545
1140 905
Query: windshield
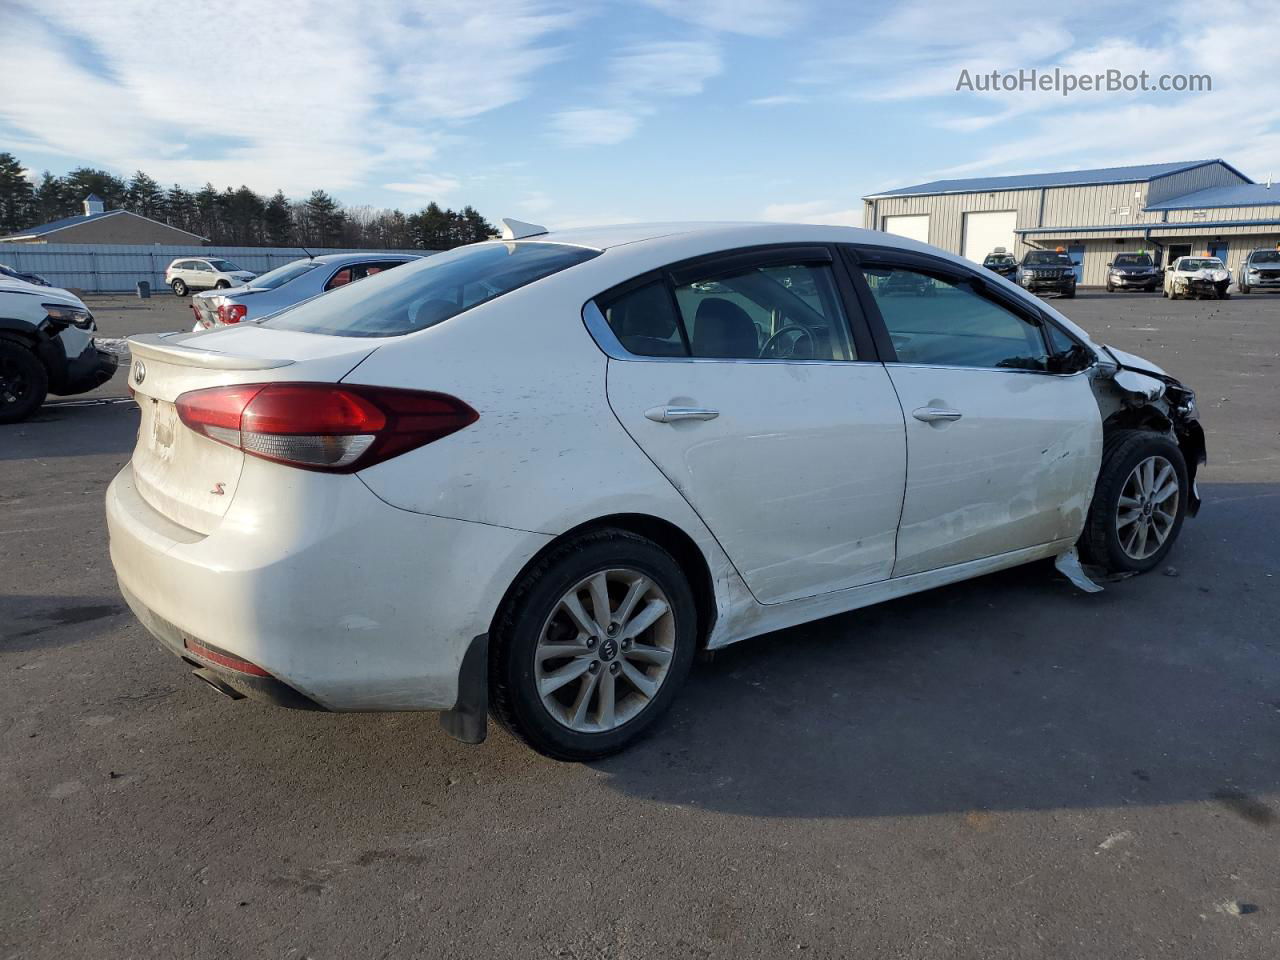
1204 263
1266 256
422 294
999 260
226 266
282 275
1133 260
1042 257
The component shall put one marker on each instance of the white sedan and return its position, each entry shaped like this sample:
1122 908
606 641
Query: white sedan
535 475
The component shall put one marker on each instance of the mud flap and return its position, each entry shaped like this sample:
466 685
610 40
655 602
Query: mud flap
1068 564
468 721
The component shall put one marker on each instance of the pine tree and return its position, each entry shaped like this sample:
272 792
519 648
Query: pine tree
52 202
323 219
144 196
278 221
82 181
180 209
207 214
477 227
17 196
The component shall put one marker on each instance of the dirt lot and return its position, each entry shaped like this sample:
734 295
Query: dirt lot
1003 768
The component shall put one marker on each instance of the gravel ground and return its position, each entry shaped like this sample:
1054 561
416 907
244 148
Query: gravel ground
1002 768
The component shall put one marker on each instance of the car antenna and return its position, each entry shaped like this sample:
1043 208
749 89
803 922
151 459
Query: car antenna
310 255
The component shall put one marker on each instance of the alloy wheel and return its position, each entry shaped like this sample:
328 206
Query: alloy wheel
605 651
1148 507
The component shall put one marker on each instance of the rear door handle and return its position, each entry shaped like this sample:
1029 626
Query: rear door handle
672 414
933 414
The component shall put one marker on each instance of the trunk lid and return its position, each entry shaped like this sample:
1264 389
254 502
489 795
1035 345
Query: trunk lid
189 478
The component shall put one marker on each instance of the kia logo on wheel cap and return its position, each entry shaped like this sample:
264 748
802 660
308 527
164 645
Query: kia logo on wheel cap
139 371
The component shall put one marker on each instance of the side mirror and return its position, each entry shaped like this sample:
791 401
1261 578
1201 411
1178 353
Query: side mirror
1111 263
1075 263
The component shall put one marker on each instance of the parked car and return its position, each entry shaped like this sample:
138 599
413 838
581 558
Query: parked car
1260 271
1132 271
1196 277
204 273
1048 271
12 274
288 285
1003 262
46 346
535 475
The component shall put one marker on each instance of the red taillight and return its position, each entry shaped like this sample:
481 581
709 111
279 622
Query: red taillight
323 426
213 654
232 312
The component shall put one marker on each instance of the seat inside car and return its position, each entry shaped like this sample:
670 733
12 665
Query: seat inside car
721 328
645 323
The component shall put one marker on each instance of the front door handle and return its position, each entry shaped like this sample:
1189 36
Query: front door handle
672 414
934 414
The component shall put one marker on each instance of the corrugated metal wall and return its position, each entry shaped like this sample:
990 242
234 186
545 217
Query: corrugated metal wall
1201 178
104 268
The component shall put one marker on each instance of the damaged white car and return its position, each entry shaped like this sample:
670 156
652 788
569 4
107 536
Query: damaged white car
1197 277
536 475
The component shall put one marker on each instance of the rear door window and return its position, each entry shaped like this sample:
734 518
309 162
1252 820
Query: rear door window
428 291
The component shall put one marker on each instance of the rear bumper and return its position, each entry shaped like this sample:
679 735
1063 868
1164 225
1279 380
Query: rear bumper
343 600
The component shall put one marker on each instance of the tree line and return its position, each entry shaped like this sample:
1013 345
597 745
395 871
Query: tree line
234 217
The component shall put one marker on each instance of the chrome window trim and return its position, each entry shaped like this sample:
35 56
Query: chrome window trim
612 347
948 366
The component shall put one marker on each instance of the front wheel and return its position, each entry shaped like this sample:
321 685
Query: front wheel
222 285
1110 288
179 288
1243 288
1139 502
592 645
23 382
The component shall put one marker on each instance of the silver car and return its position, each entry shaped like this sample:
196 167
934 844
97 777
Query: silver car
289 285
205 273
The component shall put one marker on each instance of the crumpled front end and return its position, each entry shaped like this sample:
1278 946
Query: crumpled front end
1135 393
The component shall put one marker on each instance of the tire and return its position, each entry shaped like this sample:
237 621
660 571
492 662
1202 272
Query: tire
1069 294
24 382
179 288
533 619
1244 289
1110 288
222 285
1122 547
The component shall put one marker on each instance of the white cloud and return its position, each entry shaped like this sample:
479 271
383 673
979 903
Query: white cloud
293 94
753 18
638 76
778 100
678 68
591 127
813 211
426 185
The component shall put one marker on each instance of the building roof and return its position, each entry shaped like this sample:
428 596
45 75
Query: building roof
1237 195
55 225
1066 178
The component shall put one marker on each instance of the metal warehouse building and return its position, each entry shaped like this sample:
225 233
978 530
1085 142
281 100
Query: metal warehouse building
1167 209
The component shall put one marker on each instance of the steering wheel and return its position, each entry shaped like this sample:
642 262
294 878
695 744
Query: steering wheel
772 349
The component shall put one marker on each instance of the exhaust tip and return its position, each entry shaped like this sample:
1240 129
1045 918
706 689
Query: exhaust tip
213 680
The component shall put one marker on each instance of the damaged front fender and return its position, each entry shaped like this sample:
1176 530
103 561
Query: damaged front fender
1134 393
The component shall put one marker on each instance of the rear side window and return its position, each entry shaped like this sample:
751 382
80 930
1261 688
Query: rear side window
428 291
767 312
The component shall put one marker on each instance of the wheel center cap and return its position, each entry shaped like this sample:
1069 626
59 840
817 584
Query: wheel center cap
608 650
1147 509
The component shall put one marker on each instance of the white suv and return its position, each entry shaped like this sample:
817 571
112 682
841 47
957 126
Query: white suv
46 346
204 273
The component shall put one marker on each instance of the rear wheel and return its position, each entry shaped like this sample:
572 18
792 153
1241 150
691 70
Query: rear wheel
179 288
1139 502
592 645
222 285
23 382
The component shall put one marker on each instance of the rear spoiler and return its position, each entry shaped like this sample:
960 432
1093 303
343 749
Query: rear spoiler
158 346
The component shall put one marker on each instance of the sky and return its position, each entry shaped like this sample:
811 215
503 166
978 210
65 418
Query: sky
602 111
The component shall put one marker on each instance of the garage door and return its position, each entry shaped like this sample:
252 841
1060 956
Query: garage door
983 232
915 226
